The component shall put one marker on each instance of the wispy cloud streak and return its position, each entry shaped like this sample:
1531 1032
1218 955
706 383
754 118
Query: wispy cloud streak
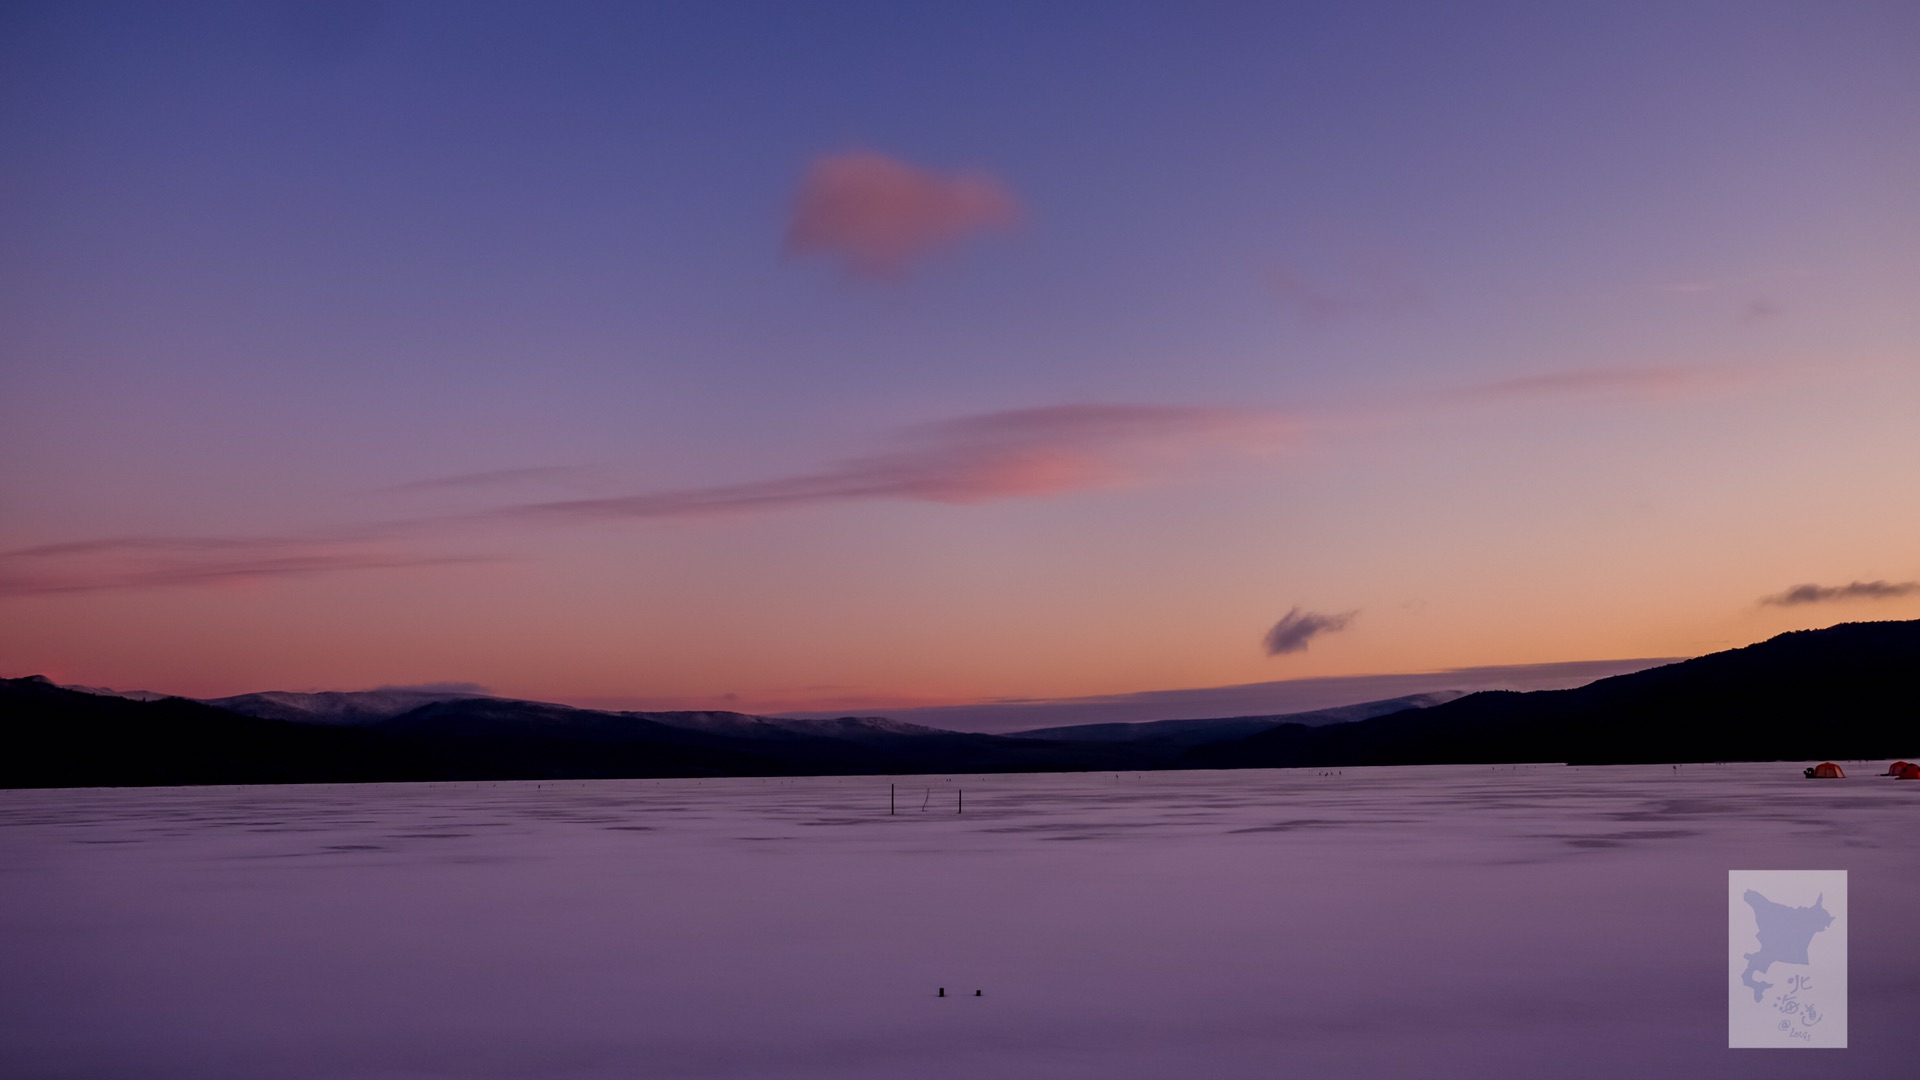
1733 283
1832 594
1366 284
1309 299
1017 453
489 480
154 562
1642 382
1021 453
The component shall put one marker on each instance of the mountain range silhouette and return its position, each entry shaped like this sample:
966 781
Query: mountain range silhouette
1844 692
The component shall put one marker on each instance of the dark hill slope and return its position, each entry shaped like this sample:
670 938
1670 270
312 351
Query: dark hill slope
54 737
568 742
1845 692
1848 691
50 737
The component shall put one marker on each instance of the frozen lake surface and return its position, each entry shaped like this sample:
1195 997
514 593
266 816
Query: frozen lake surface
1449 921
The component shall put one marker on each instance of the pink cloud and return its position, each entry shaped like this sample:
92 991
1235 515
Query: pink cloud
1019 453
1016 453
878 215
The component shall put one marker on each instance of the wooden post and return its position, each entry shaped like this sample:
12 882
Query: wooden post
889 800
963 803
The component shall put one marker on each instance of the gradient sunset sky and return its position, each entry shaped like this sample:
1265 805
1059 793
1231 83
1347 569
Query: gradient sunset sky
820 356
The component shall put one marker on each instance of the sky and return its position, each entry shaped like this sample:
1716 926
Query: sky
881 356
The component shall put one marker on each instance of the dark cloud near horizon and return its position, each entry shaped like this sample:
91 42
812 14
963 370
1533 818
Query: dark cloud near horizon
1297 628
1853 590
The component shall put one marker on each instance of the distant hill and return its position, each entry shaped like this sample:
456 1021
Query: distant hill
352 707
1195 732
1845 692
54 737
365 708
379 707
51 736
131 695
1848 691
587 742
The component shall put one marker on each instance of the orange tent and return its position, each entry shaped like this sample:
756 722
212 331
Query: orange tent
1826 770
1894 769
1910 771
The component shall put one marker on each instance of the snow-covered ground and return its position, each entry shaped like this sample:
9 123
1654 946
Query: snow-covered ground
1424 922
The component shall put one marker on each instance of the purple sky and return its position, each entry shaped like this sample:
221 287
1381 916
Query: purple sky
867 356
